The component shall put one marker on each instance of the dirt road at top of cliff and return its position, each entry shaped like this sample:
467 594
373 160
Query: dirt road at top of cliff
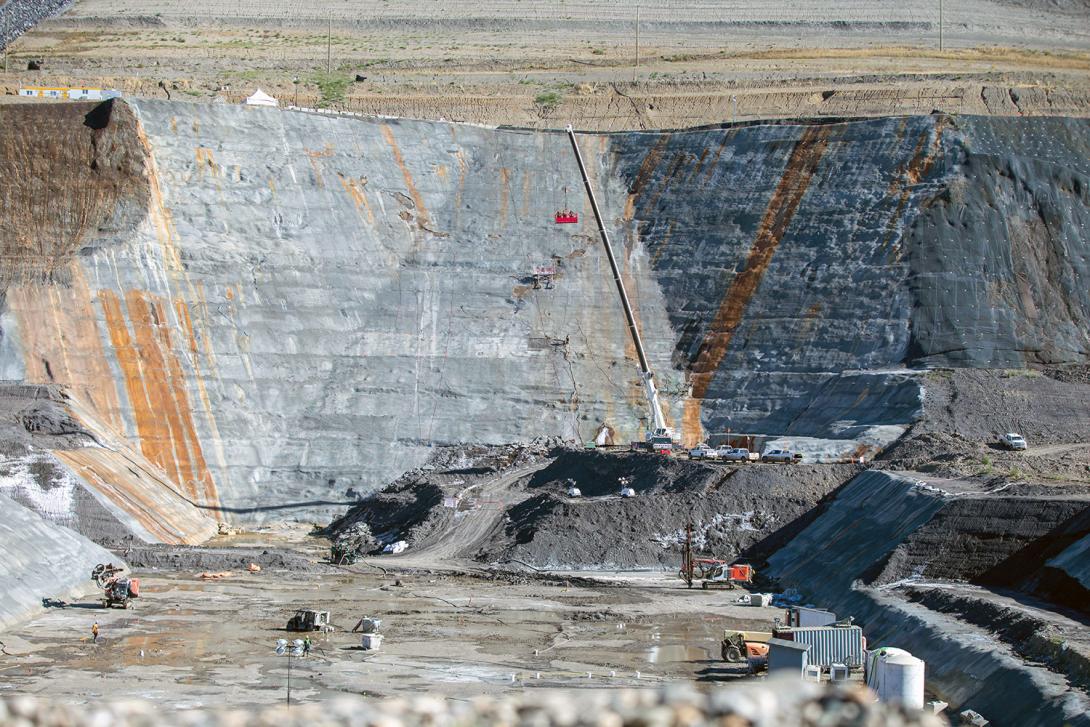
502 62
453 546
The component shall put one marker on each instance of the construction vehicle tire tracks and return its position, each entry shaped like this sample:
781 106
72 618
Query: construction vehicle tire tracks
456 544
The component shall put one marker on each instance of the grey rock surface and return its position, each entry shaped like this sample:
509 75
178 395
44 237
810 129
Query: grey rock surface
41 560
312 303
843 561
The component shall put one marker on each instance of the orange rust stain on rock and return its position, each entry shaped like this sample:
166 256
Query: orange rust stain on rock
138 487
650 164
326 152
156 385
106 481
718 152
679 161
355 190
463 168
699 164
664 242
781 210
923 158
505 193
526 194
206 161
421 210
187 324
314 156
692 430
61 343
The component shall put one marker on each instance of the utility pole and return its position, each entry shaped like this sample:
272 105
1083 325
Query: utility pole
687 556
940 26
635 73
329 46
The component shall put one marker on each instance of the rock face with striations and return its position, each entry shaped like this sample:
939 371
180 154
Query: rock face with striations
277 309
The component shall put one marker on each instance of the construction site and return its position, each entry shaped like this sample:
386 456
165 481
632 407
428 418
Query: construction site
546 363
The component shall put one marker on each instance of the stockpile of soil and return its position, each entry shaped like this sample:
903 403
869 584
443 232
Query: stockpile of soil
410 508
734 511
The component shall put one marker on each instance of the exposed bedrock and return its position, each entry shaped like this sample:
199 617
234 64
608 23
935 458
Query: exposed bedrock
277 309
43 562
873 551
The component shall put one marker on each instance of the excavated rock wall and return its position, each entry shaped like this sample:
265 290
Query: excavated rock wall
278 309
844 561
41 561
789 255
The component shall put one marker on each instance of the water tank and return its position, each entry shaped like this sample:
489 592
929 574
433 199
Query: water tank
897 677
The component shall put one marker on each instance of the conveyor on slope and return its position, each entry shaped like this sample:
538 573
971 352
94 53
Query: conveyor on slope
659 430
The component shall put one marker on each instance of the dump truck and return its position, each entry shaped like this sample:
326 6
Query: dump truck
117 590
306 619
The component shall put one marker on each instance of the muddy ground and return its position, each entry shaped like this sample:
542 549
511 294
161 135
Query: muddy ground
190 643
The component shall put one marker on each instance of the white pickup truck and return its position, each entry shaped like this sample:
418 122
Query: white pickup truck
703 451
737 454
1011 440
784 456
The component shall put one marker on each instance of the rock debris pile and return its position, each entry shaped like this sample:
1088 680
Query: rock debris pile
768 703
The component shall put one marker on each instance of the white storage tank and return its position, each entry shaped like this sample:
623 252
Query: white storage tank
896 676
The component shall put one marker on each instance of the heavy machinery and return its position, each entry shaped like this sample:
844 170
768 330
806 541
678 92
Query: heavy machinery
740 646
117 590
727 576
660 436
306 619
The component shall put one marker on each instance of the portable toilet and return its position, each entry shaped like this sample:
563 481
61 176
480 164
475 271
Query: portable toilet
787 656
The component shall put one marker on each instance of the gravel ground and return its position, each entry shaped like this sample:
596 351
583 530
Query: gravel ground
770 703
19 16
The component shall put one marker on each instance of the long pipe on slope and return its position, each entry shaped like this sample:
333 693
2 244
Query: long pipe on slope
657 419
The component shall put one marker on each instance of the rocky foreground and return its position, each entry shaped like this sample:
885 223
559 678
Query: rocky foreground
771 702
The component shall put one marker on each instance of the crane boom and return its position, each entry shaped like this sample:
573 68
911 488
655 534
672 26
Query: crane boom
658 421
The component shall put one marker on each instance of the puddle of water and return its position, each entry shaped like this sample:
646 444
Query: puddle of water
661 653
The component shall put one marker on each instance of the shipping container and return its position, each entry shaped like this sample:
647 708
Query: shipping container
828 644
803 616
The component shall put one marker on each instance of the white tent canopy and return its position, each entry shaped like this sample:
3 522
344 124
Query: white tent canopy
260 98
